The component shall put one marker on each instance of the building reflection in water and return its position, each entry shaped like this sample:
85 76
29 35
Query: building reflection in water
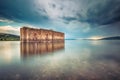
36 48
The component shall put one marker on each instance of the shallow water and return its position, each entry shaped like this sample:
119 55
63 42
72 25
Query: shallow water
71 60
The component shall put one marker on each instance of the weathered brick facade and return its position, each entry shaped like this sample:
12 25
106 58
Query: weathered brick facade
40 35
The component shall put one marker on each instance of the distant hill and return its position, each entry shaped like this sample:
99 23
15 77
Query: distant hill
111 38
9 37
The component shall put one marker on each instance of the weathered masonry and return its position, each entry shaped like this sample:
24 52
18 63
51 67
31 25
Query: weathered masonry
40 35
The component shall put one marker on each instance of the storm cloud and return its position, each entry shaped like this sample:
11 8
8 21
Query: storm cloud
100 12
65 15
91 11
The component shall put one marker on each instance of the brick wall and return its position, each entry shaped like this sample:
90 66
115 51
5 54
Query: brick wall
40 35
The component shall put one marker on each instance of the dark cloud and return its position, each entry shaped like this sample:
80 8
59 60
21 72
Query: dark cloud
24 10
71 14
21 11
100 14
69 18
53 5
105 14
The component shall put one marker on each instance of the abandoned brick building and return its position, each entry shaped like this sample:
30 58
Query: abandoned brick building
40 35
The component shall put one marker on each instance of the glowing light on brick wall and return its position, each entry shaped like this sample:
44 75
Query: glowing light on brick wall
40 35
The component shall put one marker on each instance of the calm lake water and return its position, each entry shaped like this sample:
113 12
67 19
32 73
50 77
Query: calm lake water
71 60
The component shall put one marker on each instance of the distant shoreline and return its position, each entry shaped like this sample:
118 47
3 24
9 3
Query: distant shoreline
9 40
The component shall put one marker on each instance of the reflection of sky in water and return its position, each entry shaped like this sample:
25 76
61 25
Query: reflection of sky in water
86 60
9 52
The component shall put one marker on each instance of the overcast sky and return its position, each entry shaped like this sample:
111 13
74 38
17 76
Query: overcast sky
76 18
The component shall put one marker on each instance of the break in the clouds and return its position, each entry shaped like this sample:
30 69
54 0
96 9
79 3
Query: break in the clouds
76 18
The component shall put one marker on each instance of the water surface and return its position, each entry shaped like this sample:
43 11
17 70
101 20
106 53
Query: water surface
72 60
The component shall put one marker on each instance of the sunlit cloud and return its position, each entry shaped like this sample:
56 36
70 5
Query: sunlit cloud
10 29
6 20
